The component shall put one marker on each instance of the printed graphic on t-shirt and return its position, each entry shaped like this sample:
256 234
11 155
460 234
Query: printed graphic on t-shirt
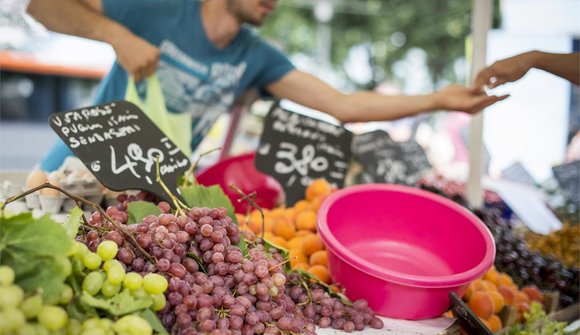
192 86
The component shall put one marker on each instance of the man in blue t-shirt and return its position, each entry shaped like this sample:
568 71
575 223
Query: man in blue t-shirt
206 56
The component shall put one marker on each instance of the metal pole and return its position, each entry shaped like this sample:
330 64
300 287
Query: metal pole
481 24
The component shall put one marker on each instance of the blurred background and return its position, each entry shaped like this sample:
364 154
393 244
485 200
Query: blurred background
392 46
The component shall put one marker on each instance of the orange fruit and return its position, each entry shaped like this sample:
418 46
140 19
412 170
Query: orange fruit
241 219
492 275
302 266
485 322
321 272
296 256
478 285
521 297
508 293
279 241
317 188
316 202
505 279
303 232
295 242
319 257
481 304
498 301
284 228
289 213
533 293
494 323
311 244
306 220
301 205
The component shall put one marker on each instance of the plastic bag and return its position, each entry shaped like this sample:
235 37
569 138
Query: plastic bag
176 126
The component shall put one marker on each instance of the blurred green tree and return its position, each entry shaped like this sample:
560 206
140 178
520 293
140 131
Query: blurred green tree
390 28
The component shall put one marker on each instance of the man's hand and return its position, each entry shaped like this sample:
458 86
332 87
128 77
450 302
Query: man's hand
137 56
468 100
504 71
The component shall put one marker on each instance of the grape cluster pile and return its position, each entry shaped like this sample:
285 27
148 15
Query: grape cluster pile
528 267
212 287
328 311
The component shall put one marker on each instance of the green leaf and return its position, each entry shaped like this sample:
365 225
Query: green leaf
199 262
154 321
73 222
31 247
208 196
138 210
120 304
269 245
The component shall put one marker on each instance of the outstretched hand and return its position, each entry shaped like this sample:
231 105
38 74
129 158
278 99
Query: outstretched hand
137 56
504 71
468 100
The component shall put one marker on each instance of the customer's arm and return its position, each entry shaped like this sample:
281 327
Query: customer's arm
312 92
85 18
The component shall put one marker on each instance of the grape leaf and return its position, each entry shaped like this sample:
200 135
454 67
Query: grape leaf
31 247
154 322
120 304
138 210
208 196
73 222
308 276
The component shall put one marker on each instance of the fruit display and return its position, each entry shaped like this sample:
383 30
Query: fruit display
141 267
51 284
294 228
489 295
513 255
563 244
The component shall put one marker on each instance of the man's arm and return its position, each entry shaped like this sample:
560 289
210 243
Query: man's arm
566 66
312 92
85 18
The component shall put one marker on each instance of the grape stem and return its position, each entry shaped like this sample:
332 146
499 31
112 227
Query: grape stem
179 205
280 264
251 199
80 201
188 176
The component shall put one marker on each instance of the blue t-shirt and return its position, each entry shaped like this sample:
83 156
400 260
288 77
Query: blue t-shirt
196 77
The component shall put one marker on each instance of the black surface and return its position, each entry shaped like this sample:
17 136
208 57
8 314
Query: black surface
296 149
568 176
388 161
120 147
467 319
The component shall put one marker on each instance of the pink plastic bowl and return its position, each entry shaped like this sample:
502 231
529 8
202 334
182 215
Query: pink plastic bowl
241 172
402 249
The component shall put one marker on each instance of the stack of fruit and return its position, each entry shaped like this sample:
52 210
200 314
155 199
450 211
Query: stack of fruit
294 229
489 295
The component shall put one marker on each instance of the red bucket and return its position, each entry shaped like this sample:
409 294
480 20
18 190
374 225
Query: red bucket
241 172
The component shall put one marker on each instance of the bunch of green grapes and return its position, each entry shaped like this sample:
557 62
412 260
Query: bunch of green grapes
23 315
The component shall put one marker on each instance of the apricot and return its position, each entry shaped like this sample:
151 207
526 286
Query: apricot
321 272
319 187
306 220
494 323
498 301
319 257
508 293
311 244
521 297
481 304
533 293
284 228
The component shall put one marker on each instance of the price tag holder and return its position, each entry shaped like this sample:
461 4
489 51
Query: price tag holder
296 149
467 319
568 176
388 161
119 144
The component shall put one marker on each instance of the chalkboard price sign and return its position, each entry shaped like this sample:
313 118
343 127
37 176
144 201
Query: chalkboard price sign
568 176
296 149
388 161
120 145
